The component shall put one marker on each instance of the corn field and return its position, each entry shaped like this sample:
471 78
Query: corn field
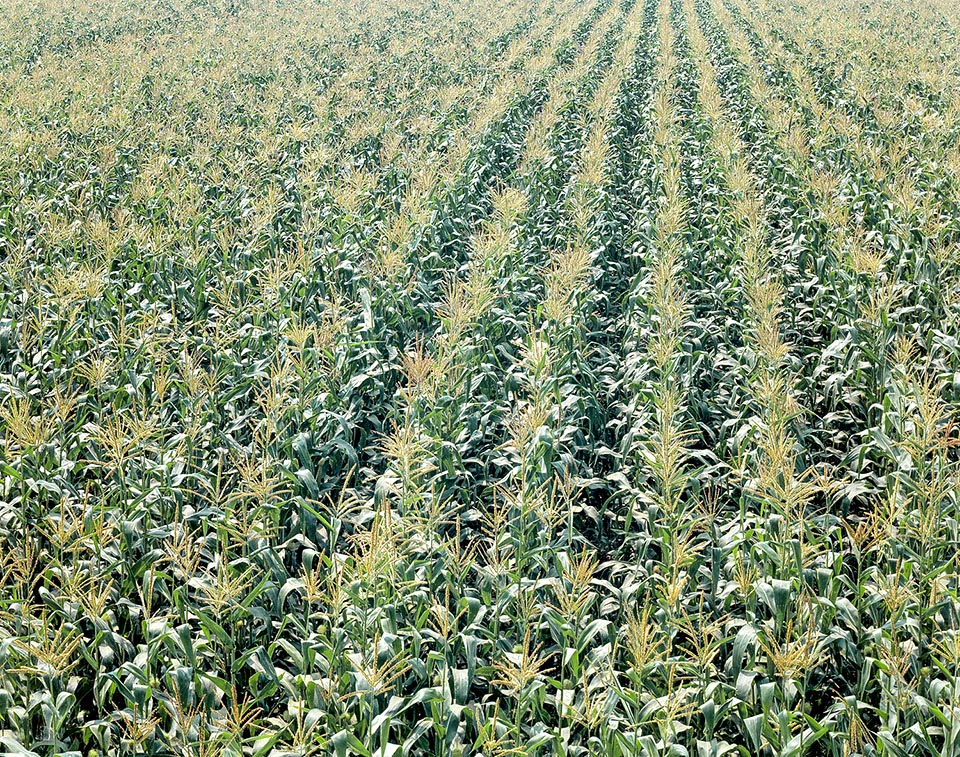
477 378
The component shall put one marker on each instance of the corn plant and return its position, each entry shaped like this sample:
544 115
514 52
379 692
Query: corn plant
534 377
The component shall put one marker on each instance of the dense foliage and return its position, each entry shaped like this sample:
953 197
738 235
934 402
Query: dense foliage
456 377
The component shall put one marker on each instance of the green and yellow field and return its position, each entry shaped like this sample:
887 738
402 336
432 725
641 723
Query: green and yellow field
480 378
